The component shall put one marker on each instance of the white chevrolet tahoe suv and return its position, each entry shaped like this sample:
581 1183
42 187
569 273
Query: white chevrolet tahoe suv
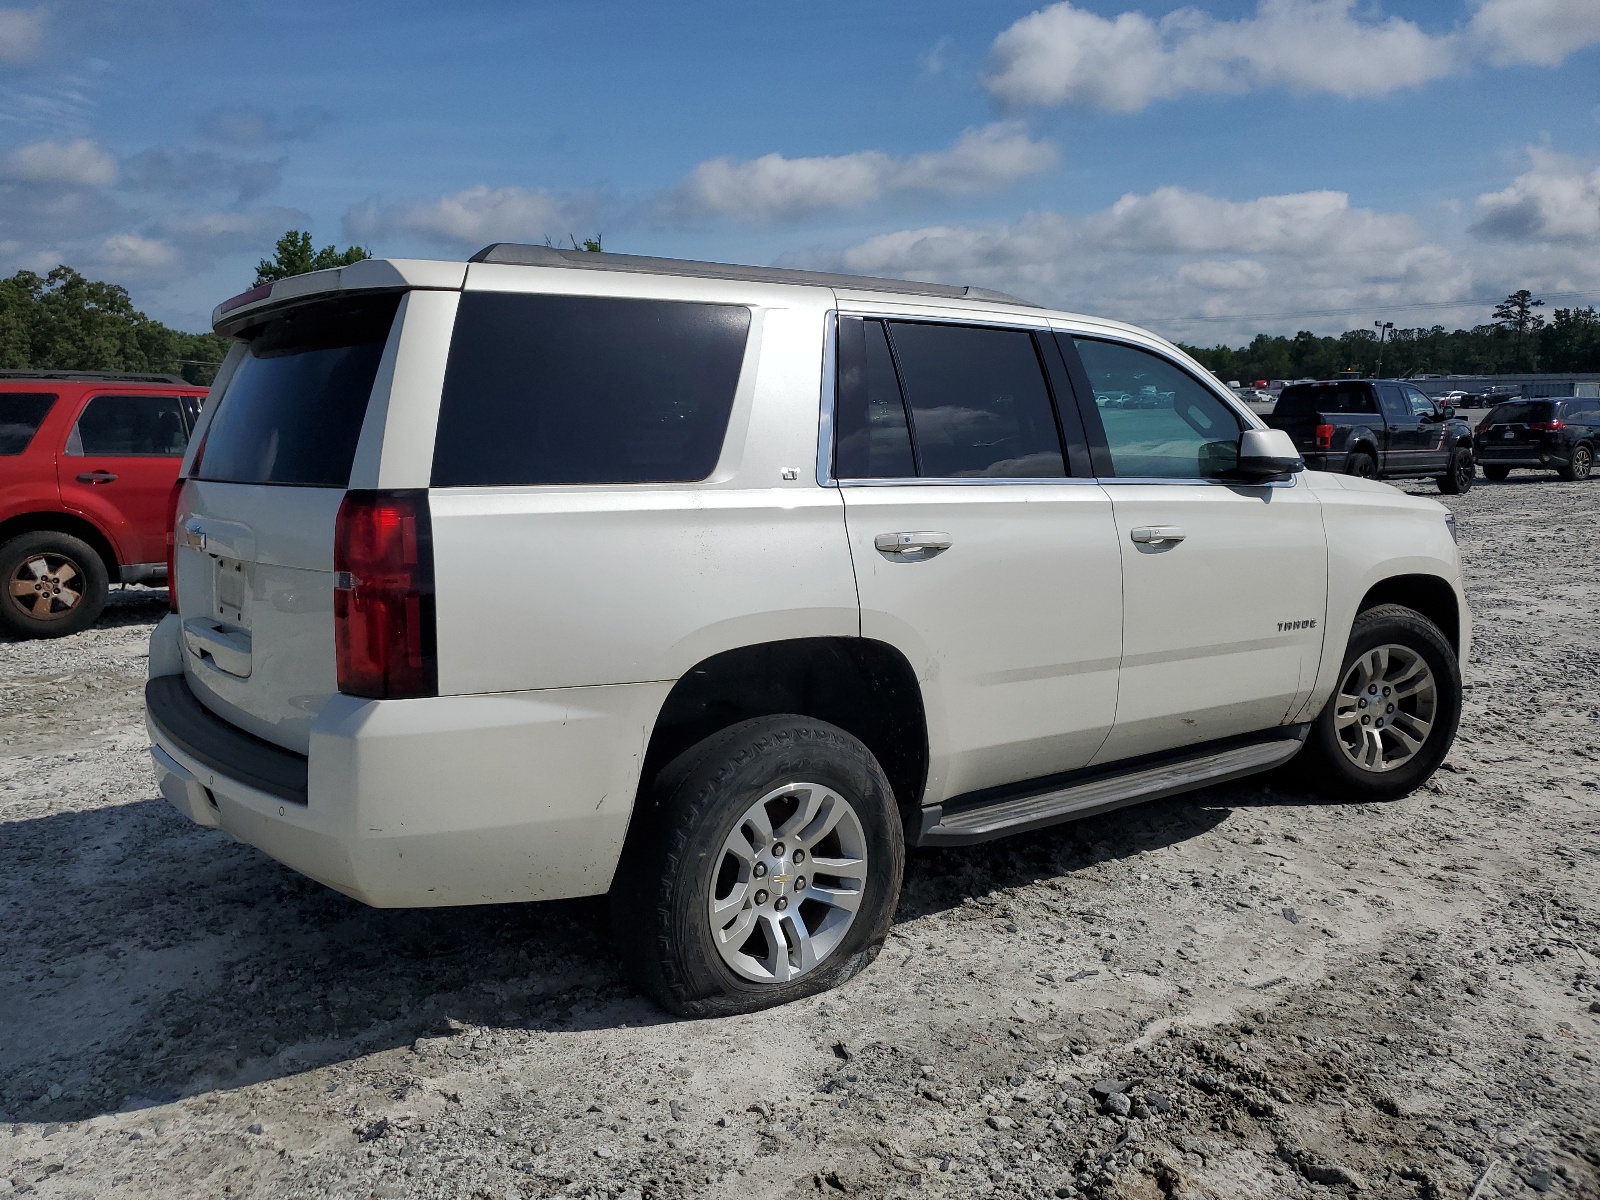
555 574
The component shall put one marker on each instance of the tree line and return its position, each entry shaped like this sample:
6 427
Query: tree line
1518 339
64 321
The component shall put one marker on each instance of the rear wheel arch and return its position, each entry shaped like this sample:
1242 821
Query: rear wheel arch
68 523
1430 595
865 687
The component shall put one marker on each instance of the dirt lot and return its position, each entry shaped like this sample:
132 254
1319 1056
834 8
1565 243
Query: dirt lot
1289 998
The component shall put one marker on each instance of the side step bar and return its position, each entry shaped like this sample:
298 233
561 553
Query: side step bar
965 821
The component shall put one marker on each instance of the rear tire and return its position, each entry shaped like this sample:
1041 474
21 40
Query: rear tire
55 585
1579 466
1362 465
1458 473
1497 474
1402 673
718 869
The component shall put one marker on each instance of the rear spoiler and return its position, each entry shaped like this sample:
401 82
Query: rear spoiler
369 275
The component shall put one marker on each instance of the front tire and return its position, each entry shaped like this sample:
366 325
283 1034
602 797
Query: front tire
55 585
1579 466
1393 714
764 866
1458 473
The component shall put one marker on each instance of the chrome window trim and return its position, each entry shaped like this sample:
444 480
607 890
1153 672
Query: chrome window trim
984 481
1113 480
830 382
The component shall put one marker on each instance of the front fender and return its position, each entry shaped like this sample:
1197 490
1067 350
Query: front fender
1377 532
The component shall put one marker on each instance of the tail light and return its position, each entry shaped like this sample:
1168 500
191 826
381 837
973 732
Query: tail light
1555 426
1483 426
1324 437
385 637
172 541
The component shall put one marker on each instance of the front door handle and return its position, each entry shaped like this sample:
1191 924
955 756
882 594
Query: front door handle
911 547
1157 535
97 477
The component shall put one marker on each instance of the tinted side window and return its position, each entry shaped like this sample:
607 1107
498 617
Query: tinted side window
1395 406
871 438
979 403
130 426
292 413
21 414
1307 399
1169 426
586 389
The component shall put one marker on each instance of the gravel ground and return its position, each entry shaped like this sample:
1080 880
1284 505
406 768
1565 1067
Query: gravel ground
1240 993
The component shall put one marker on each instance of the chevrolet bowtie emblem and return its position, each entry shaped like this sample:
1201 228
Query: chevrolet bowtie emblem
781 878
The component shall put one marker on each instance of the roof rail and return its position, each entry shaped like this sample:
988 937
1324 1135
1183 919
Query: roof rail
117 376
517 254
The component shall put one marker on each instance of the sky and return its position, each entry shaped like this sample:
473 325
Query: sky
1207 171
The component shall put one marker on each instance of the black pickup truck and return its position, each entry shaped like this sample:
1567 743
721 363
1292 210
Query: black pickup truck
1378 429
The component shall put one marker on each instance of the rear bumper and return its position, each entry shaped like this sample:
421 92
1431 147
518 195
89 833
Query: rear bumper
1519 456
421 803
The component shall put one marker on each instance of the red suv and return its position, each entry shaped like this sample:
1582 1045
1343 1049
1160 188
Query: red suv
86 464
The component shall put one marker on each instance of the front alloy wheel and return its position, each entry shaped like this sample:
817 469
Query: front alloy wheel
1385 708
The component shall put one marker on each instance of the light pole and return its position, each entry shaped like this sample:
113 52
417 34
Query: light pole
1383 327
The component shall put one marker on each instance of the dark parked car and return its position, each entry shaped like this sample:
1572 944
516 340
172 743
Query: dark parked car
1377 429
1559 434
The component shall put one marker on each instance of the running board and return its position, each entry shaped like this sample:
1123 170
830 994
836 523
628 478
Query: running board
961 823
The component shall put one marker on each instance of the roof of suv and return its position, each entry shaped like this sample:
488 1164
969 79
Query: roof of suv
150 379
379 274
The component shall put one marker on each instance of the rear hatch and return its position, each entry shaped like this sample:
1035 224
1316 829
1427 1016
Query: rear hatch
1517 429
256 520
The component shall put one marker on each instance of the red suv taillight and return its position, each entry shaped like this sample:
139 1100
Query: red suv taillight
1324 437
172 541
1547 426
383 610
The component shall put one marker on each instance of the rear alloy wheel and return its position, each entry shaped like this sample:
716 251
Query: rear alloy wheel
1579 466
1497 474
763 866
1457 477
1393 715
55 585
1362 465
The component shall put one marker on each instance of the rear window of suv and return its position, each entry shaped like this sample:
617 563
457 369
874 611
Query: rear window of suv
586 389
21 414
1521 412
293 410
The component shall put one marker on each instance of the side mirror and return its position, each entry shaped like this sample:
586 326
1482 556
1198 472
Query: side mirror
1267 454
1448 413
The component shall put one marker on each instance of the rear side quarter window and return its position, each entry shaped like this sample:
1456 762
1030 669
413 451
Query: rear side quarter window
21 414
546 389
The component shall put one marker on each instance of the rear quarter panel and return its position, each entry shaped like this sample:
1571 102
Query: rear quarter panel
1376 532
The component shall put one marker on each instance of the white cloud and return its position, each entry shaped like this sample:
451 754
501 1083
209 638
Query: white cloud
81 163
1067 55
773 187
1555 201
1157 257
1236 274
134 253
477 216
21 33
1537 32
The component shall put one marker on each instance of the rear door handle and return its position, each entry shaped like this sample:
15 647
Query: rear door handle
911 547
1157 535
97 477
